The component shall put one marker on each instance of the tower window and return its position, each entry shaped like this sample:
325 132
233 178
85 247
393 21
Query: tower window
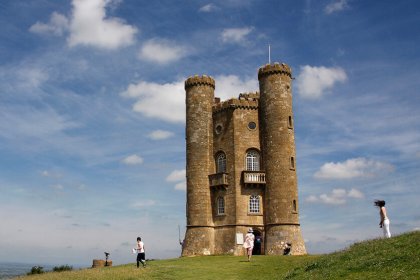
290 122
252 125
220 205
254 204
221 162
294 206
218 129
292 163
252 161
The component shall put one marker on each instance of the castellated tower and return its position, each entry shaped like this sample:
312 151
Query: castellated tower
199 238
241 168
279 156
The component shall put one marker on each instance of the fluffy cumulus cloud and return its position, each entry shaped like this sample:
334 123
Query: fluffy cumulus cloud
353 168
89 26
58 25
178 176
313 82
132 160
235 35
231 86
167 101
336 197
160 134
161 101
336 6
161 51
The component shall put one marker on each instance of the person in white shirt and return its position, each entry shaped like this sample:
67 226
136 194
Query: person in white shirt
249 243
141 256
384 223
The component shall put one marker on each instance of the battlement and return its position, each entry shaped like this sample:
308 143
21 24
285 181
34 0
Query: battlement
245 101
249 96
276 68
203 80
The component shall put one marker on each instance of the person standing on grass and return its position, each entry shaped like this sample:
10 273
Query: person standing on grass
384 223
249 243
141 256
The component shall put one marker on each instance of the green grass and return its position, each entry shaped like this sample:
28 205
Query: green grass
395 258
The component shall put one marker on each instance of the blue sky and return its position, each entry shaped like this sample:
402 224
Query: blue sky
92 116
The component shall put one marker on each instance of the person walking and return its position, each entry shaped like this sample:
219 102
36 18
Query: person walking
141 256
249 243
384 222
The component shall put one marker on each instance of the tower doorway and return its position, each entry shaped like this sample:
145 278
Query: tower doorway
257 243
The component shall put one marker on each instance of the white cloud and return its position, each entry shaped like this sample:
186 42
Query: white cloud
57 25
160 134
354 193
312 82
235 35
353 168
167 101
161 51
231 86
182 186
336 6
176 175
336 197
89 26
132 160
161 101
207 8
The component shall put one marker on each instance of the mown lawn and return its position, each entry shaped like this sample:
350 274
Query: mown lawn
395 258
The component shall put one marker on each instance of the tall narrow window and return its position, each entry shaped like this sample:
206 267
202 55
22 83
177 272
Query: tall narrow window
292 162
252 160
294 205
221 163
254 204
220 205
290 122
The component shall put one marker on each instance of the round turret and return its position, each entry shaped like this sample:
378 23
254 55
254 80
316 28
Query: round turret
278 150
199 139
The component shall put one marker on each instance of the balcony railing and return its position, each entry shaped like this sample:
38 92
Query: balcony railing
253 177
218 179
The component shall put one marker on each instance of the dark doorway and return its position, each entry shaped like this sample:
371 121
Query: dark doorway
257 243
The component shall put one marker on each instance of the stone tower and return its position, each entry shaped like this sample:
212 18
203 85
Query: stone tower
199 238
241 167
279 157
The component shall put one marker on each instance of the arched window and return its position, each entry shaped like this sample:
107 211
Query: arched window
220 205
294 205
220 162
254 204
253 160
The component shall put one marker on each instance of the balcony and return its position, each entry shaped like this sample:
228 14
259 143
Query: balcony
219 180
253 177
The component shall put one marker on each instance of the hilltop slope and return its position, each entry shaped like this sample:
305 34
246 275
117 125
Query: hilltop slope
395 258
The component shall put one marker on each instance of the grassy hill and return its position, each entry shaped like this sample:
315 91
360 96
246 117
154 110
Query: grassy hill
395 258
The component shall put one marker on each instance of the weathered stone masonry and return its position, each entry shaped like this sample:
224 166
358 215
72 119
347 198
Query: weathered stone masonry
241 167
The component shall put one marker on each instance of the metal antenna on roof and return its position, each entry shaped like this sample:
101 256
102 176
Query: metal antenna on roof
269 54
